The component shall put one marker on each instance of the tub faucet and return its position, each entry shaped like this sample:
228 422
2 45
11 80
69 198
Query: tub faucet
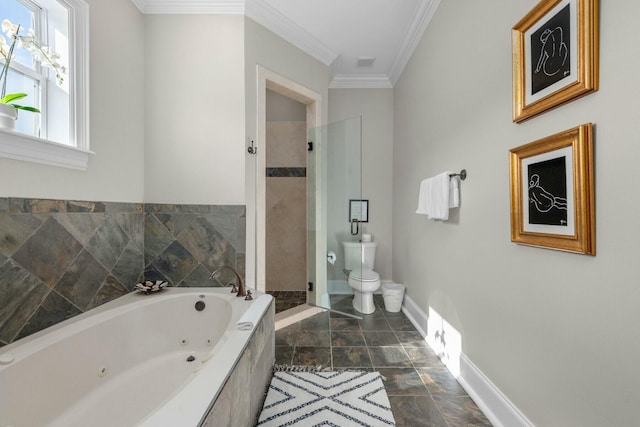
241 291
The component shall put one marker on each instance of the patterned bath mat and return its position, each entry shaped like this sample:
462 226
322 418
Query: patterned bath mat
326 398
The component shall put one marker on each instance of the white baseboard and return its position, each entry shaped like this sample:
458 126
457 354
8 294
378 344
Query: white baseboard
415 314
495 405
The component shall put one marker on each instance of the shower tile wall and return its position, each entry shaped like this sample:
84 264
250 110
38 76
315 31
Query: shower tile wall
59 258
286 210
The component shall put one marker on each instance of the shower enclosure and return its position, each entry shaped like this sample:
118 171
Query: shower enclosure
334 178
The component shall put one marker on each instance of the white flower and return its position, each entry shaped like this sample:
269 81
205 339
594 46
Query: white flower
26 42
4 47
9 29
30 42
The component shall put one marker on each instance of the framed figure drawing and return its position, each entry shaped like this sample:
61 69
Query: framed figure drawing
555 55
552 192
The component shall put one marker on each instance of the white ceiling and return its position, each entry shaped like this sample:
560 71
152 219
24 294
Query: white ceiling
336 32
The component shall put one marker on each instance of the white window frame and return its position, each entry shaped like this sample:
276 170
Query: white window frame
18 146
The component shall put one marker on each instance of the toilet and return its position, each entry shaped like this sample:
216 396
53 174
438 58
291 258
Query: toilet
359 259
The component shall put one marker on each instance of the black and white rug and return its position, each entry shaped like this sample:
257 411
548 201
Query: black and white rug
326 398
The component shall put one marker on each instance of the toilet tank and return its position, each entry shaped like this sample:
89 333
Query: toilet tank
357 254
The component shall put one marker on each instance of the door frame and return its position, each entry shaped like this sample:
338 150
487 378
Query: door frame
268 79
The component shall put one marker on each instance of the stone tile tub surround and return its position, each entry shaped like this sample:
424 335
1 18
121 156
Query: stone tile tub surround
59 258
240 401
183 244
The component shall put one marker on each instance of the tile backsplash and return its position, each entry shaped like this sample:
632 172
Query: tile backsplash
59 258
183 244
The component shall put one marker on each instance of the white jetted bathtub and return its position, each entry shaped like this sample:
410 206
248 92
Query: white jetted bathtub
150 360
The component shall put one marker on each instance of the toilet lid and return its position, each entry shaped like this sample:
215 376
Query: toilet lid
365 275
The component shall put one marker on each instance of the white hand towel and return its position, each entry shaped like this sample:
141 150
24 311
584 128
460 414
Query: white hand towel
433 199
454 192
423 196
254 312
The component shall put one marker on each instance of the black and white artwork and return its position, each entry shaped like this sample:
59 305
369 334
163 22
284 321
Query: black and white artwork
552 191
555 56
547 190
551 51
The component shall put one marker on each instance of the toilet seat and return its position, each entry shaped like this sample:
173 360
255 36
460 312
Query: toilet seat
365 275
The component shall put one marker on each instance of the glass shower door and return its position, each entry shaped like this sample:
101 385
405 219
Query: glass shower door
334 186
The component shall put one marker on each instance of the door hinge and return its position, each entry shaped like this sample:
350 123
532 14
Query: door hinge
310 146
310 288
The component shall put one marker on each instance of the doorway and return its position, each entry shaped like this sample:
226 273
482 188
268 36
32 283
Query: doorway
328 191
312 101
286 201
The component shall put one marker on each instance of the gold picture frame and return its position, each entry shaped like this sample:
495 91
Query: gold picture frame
555 56
552 192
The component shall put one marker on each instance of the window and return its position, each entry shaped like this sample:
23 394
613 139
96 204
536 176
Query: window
58 135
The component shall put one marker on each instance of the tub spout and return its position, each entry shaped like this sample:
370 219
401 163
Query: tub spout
241 290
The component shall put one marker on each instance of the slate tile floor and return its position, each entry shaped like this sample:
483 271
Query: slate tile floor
421 390
288 299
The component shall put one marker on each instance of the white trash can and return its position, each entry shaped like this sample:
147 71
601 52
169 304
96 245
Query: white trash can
393 294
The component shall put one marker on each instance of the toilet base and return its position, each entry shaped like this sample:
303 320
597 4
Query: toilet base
363 302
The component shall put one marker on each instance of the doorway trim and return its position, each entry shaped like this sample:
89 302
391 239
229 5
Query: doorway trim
268 79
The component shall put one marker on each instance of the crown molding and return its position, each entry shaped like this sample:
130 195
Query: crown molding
257 10
421 19
273 20
360 81
276 22
220 7
139 4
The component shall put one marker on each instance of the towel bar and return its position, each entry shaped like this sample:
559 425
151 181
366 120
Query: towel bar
462 174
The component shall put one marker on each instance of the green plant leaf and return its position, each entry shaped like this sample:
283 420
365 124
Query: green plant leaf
25 108
12 97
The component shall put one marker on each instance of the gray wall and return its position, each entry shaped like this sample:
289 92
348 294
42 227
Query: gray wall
194 147
375 107
555 332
